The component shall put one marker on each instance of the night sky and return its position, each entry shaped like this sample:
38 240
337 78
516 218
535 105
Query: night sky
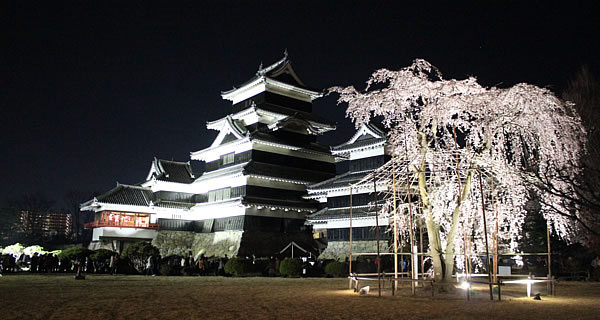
90 93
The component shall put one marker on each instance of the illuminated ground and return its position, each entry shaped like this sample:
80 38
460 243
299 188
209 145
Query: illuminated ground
139 297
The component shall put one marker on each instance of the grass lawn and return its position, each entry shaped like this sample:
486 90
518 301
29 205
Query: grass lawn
139 297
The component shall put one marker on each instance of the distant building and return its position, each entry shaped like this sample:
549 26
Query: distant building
250 199
9 232
46 224
364 152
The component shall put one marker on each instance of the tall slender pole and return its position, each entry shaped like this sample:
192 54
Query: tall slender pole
465 250
550 284
350 262
412 260
421 244
495 236
487 253
411 247
395 227
496 251
549 255
378 260
466 261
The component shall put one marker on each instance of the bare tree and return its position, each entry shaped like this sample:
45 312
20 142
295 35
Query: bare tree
583 204
584 91
70 204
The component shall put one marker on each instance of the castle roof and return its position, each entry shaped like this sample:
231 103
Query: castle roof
279 76
124 194
172 171
343 180
286 204
369 134
278 172
339 213
127 194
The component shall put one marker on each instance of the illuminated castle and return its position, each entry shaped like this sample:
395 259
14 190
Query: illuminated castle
250 199
364 152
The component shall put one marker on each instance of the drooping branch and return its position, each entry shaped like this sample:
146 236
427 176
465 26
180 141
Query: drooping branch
506 132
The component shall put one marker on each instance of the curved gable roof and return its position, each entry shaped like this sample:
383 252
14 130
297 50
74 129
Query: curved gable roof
172 171
368 134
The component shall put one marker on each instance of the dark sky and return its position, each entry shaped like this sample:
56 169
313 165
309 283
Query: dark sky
91 92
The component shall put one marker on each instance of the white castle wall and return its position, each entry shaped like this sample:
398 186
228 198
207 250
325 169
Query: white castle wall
339 250
217 244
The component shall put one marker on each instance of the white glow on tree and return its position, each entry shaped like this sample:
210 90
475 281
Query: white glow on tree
15 250
31 250
450 131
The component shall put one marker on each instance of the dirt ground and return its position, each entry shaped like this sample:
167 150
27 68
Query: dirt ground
138 297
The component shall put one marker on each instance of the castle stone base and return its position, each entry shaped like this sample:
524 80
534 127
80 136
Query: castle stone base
340 250
217 244
229 243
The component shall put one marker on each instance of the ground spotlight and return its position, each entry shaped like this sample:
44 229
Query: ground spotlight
364 290
465 285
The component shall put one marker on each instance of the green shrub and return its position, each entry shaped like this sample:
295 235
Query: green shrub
290 267
238 266
138 254
336 269
101 259
74 254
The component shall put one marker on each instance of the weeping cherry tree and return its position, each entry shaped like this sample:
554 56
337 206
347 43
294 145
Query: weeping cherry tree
461 140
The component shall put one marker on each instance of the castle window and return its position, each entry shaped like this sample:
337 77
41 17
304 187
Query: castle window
218 195
227 158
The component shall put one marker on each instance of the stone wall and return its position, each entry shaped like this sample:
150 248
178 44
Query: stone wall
339 250
217 244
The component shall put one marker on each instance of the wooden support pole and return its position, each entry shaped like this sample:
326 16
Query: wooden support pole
496 253
549 255
410 246
495 239
499 293
395 227
550 284
468 293
421 244
487 253
350 260
378 260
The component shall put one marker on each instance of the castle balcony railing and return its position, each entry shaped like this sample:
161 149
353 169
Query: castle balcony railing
100 224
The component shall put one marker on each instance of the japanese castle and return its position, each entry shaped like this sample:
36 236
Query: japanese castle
364 152
252 197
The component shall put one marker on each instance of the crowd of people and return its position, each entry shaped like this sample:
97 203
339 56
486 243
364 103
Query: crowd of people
37 263
187 265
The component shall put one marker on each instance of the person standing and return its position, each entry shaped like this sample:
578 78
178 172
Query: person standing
149 266
201 265
113 264
33 267
221 268
595 269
